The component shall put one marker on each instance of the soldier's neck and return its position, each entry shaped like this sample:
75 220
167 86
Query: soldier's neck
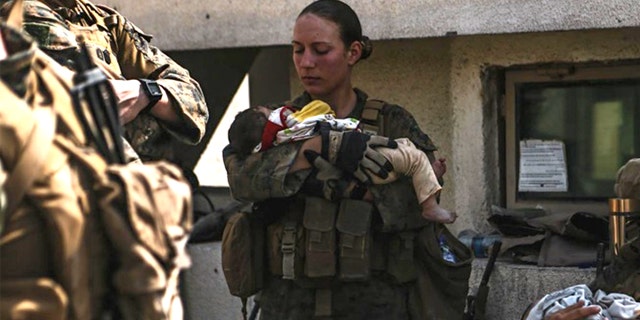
342 102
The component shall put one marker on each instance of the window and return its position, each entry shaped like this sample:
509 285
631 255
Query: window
590 114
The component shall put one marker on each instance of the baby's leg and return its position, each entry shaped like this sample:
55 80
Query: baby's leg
407 160
410 161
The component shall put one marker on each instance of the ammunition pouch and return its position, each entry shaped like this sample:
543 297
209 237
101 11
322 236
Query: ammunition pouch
319 224
354 225
307 250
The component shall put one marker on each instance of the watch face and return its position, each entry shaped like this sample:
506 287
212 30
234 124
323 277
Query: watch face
154 89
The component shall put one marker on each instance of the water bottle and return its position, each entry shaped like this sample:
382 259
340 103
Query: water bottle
478 243
447 254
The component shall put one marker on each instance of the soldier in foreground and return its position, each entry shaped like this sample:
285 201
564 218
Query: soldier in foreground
340 258
78 239
157 98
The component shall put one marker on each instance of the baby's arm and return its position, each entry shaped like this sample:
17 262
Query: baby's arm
300 162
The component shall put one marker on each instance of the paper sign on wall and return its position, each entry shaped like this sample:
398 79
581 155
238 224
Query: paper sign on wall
542 166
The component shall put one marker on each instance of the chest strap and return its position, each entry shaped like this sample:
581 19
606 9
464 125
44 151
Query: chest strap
372 120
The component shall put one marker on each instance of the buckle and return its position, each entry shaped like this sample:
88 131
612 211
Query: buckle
288 239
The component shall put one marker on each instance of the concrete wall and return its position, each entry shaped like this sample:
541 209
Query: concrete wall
204 24
439 81
436 77
474 138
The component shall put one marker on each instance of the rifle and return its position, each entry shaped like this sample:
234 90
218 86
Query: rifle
101 123
476 305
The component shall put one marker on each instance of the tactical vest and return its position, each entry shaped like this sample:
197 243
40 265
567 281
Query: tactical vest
319 243
127 243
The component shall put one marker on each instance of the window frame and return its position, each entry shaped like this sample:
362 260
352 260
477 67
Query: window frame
556 73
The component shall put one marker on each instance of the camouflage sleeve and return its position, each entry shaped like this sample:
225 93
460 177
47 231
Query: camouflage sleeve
265 174
399 123
139 59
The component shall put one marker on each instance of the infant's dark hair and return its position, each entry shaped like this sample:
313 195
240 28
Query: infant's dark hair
246 131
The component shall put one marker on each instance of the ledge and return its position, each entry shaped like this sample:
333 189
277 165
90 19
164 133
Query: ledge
512 286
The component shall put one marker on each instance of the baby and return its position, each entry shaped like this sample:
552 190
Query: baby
259 128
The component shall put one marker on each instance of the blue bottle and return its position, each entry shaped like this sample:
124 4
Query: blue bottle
447 254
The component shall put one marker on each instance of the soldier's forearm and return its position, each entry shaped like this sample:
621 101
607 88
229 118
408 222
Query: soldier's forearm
164 109
263 175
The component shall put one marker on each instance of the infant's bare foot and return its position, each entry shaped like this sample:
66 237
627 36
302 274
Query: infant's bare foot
439 214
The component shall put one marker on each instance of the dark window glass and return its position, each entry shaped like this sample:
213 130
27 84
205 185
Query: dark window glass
598 121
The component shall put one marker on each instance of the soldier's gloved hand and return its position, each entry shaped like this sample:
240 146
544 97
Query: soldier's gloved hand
328 181
354 152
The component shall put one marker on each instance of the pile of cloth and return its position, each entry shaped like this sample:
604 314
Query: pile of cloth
614 306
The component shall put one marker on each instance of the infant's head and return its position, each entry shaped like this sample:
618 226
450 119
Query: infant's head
245 133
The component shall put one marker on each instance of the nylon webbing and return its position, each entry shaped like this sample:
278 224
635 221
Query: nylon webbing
372 121
288 248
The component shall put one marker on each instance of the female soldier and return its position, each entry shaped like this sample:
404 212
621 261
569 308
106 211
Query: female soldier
327 44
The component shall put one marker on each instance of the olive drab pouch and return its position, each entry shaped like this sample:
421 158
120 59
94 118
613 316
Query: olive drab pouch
401 264
40 298
285 247
243 255
442 286
319 221
353 225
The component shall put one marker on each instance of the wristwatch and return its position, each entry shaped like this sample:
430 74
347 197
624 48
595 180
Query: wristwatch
153 92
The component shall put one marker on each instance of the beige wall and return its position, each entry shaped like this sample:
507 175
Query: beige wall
206 24
472 171
439 81
437 78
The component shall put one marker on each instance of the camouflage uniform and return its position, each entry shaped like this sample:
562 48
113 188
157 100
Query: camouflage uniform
51 246
263 178
123 51
72 247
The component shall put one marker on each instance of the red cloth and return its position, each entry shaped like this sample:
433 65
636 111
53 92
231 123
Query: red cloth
274 124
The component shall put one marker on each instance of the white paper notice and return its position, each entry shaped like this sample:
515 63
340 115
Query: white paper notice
542 166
